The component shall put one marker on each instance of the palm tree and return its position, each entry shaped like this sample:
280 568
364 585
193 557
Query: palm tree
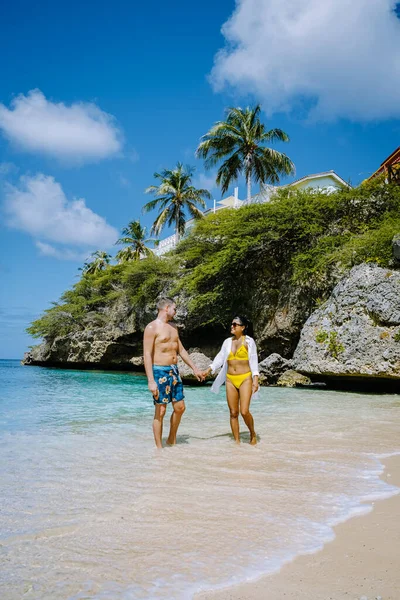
240 139
99 263
174 195
135 236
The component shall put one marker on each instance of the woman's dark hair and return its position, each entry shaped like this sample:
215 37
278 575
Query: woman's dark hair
248 326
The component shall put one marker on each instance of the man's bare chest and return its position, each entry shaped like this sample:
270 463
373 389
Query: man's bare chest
167 336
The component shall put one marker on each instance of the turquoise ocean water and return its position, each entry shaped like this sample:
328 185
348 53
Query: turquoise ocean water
89 509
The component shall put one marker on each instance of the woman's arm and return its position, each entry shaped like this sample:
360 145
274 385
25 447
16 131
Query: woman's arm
253 358
253 361
217 362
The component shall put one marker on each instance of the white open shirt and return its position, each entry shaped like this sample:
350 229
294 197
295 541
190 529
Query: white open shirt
221 360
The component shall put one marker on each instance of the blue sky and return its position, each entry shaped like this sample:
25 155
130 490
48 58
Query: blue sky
96 97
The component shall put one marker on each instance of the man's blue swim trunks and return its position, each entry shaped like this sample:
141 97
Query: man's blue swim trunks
169 383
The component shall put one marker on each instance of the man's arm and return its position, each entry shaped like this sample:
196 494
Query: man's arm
148 346
186 358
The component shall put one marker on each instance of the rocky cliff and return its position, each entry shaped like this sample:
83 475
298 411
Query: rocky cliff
355 336
117 342
352 338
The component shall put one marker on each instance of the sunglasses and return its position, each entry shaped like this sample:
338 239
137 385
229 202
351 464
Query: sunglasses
236 325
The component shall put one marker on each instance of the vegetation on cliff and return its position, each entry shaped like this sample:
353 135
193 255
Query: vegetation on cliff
244 259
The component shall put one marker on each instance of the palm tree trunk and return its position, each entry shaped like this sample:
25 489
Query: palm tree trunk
248 188
177 233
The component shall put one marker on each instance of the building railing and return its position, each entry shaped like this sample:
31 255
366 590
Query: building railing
165 245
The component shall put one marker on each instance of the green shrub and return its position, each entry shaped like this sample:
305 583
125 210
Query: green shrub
321 336
334 346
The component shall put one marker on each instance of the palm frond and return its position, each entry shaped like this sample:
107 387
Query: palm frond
275 135
173 195
194 212
229 171
279 160
152 204
160 221
239 142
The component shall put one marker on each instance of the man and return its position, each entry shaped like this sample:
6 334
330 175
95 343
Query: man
161 346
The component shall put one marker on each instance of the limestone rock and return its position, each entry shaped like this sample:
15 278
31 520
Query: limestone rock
396 248
85 350
201 361
356 333
137 361
263 380
292 378
281 320
272 367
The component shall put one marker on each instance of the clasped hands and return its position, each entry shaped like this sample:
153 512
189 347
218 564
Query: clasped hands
201 375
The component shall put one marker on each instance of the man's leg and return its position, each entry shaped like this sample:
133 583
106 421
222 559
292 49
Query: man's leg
232 397
158 423
245 393
178 410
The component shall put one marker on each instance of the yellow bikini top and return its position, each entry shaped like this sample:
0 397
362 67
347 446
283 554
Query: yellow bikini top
240 354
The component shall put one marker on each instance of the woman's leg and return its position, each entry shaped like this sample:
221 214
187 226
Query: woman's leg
232 398
245 393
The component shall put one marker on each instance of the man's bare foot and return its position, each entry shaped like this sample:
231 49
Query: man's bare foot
253 439
170 442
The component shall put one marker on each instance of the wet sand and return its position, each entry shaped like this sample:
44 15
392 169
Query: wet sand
362 562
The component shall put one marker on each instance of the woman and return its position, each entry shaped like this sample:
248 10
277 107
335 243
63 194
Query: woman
239 362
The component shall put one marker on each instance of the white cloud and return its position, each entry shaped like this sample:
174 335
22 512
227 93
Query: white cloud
79 133
61 253
38 206
341 58
205 180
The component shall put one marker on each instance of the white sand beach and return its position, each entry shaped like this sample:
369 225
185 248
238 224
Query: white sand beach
362 562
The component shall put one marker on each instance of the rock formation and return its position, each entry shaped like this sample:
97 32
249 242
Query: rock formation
355 335
292 378
272 367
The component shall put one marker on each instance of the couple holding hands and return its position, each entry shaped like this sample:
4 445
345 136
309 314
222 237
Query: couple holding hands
237 357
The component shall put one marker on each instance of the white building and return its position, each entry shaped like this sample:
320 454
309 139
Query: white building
328 182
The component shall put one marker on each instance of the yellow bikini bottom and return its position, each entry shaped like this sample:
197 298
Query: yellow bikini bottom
237 380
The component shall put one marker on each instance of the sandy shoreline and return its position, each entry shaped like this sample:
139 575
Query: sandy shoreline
363 561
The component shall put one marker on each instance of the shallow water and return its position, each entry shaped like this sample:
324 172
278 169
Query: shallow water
90 509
